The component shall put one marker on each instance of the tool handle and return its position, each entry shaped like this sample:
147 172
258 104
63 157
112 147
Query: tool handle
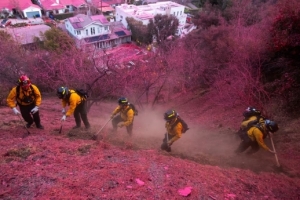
24 124
276 158
103 126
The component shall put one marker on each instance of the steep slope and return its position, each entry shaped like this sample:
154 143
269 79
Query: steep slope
49 165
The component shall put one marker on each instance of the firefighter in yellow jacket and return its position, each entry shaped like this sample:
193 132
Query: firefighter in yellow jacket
77 106
252 116
125 118
28 97
174 129
255 136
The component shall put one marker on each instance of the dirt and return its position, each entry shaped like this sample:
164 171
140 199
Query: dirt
71 165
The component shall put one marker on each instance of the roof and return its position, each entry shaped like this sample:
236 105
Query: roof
51 5
25 35
22 4
96 38
106 9
111 2
80 21
75 3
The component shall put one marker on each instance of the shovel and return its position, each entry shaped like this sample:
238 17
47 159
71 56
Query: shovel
276 158
95 137
25 135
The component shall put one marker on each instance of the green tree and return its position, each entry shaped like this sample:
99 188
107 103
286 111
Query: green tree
163 26
140 33
57 40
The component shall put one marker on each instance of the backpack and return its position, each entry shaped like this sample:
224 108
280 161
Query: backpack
184 124
82 93
135 111
25 99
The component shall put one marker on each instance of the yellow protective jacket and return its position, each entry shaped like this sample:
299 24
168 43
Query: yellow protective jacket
127 114
12 96
175 131
255 134
244 124
73 101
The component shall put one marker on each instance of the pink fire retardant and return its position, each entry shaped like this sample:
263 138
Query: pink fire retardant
139 181
185 191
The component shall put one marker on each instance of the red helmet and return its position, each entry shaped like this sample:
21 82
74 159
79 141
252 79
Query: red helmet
24 82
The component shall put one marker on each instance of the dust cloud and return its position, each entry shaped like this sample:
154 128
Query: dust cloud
200 144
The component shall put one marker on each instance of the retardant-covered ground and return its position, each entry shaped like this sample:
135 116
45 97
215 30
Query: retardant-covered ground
202 165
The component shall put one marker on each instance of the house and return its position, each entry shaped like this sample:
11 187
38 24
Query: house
96 31
144 13
61 6
24 8
25 35
100 7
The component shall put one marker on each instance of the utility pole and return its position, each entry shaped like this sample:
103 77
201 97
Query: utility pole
101 6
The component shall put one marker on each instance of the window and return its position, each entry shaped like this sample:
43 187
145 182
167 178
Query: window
78 32
177 13
105 28
87 32
92 30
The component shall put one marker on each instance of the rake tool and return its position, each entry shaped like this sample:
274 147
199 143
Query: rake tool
96 135
24 126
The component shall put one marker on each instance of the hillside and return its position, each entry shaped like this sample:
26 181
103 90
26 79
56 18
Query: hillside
70 165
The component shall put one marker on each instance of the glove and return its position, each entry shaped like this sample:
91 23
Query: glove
34 110
63 118
120 125
63 111
112 116
169 143
15 110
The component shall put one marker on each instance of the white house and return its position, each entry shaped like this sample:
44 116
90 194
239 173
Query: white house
144 13
24 7
96 31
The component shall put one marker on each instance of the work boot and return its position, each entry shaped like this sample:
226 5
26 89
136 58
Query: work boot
28 125
87 127
40 127
76 127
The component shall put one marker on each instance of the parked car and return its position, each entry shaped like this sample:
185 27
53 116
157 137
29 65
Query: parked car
5 23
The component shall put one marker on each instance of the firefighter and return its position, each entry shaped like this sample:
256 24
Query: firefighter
255 136
77 106
28 97
175 126
126 116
